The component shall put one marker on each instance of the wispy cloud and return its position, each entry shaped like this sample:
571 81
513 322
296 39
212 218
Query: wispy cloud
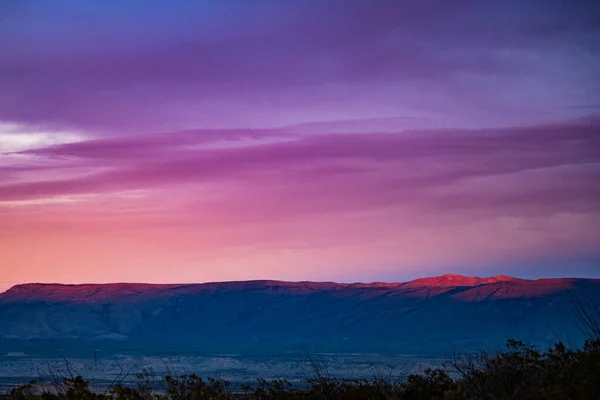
396 165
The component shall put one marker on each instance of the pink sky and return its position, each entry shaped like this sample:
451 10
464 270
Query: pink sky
191 142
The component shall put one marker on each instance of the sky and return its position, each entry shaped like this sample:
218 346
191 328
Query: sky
194 141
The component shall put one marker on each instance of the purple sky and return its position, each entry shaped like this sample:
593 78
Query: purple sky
344 140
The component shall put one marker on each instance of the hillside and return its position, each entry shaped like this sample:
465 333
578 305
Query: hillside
422 317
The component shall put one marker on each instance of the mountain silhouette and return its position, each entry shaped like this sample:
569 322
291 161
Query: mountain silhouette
429 316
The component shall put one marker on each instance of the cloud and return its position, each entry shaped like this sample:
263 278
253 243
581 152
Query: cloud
14 137
356 134
120 69
544 169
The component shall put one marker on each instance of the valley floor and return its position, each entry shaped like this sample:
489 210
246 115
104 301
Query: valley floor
19 368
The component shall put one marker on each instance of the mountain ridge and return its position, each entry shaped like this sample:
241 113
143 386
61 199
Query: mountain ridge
131 288
427 315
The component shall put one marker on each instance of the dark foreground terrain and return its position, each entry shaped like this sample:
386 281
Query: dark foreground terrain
520 372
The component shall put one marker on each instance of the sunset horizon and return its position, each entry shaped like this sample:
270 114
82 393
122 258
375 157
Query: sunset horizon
218 141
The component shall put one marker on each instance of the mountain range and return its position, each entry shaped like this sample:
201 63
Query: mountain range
430 316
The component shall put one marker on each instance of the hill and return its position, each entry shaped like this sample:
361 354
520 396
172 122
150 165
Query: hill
431 316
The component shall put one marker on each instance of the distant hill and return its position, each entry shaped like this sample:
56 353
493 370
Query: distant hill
430 316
